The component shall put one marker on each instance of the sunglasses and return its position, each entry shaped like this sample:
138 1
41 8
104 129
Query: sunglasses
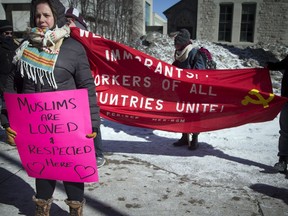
8 33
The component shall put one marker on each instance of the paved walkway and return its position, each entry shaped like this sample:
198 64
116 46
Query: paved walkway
132 185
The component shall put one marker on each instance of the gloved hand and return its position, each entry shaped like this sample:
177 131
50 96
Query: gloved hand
11 134
92 135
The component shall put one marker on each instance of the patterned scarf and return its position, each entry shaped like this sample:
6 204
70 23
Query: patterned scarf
37 56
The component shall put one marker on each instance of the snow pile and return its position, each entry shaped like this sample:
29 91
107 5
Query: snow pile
226 56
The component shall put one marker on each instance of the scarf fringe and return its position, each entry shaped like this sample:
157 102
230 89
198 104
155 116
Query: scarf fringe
49 42
36 73
20 51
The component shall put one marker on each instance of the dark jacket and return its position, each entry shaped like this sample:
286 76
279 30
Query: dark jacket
193 61
7 51
281 66
72 71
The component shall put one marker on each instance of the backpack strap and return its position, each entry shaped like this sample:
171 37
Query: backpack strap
194 57
197 61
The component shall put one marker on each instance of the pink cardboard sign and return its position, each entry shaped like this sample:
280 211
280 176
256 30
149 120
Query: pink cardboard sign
51 134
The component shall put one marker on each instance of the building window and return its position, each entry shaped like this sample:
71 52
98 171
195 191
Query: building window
247 22
147 14
225 22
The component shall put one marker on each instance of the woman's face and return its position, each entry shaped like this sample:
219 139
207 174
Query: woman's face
44 17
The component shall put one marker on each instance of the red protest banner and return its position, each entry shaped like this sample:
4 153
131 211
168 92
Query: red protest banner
136 89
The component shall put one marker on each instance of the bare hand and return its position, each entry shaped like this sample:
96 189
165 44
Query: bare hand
71 22
11 134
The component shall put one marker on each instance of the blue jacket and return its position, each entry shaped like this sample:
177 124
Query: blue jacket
193 61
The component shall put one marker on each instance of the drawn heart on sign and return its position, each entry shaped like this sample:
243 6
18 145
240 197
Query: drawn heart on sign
84 171
36 167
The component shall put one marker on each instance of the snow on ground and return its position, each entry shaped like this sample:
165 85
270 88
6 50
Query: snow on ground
251 147
230 174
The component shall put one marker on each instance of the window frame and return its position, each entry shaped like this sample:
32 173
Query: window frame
225 28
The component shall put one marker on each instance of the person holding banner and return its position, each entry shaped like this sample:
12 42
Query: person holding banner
281 165
76 20
73 15
49 60
185 53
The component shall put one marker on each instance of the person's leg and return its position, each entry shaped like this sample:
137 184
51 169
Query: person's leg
98 144
194 144
281 166
1 101
43 198
9 139
74 190
45 188
99 150
75 197
184 140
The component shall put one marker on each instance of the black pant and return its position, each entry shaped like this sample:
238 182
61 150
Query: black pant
98 144
45 189
283 139
185 135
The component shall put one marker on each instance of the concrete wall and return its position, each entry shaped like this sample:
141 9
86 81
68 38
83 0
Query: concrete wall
271 20
159 21
209 13
207 20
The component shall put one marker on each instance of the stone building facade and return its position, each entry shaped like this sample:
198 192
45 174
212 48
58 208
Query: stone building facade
237 22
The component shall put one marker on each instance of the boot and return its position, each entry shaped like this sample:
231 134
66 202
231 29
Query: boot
193 145
184 140
42 206
75 207
281 166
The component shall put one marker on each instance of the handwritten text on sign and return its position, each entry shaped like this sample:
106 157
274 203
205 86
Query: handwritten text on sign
51 134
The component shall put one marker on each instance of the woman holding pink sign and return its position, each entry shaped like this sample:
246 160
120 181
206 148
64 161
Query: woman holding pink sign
50 60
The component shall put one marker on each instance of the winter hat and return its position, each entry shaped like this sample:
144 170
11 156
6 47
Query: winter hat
5 26
58 10
74 13
182 38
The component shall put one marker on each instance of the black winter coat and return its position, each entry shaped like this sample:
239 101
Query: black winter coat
282 65
72 71
7 52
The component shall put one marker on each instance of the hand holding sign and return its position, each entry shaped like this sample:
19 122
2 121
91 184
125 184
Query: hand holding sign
54 134
11 134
